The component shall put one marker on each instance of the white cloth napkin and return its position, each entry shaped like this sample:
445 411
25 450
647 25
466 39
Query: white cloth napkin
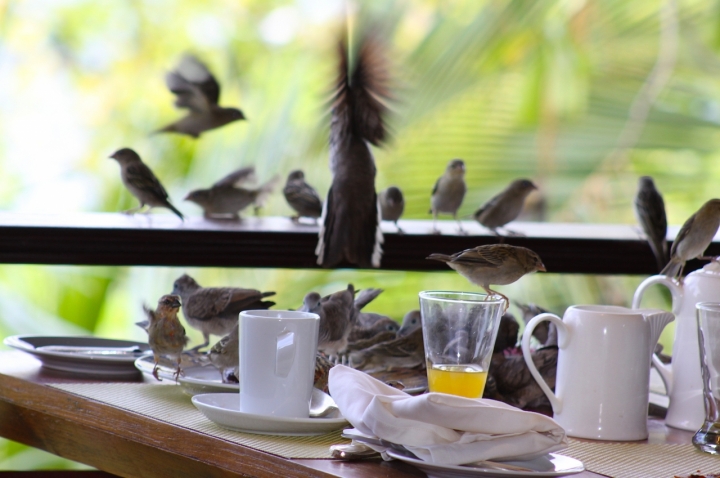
440 428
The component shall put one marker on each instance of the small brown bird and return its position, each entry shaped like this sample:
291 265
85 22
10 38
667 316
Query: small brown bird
650 214
411 322
499 264
350 230
384 324
141 182
322 372
448 193
166 335
225 199
214 310
403 352
545 332
196 89
516 385
392 205
504 207
694 237
225 355
337 318
302 197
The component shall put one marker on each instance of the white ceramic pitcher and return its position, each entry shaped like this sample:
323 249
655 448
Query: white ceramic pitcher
603 370
682 378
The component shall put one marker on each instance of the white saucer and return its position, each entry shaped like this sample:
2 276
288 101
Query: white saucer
224 409
83 355
551 464
196 378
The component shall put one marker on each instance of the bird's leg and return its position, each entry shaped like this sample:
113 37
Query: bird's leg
435 230
399 231
179 371
461 231
155 371
134 209
295 219
491 292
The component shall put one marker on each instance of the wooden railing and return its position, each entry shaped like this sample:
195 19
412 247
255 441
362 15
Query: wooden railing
163 240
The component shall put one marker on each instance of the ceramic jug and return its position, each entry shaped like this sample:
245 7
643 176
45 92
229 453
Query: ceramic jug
603 369
682 378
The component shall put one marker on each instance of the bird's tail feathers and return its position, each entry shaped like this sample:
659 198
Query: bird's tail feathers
359 102
365 296
439 257
265 190
672 269
174 210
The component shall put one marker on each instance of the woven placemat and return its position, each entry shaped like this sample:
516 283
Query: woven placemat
641 460
168 403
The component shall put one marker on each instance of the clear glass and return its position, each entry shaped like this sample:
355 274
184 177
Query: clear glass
707 438
459 330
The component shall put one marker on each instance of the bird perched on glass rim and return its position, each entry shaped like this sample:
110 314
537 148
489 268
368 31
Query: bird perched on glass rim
214 310
196 89
505 206
166 335
650 214
302 197
392 205
225 199
350 225
448 194
499 264
141 182
694 237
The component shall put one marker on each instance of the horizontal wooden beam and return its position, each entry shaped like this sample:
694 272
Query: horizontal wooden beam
163 240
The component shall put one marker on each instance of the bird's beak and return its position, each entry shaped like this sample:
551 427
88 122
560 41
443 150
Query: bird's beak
112 156
542 268
175 303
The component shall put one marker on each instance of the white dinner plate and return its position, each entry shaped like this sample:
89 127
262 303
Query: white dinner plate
195 379
224 410
83 355
551 464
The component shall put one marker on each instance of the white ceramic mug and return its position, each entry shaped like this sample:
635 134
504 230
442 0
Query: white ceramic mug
603 369
277 362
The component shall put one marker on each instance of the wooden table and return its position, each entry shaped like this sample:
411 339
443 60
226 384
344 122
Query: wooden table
129 444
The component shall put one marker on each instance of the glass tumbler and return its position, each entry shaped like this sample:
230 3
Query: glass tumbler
459 330
707 438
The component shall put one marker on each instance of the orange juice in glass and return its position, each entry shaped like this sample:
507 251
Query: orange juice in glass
459 330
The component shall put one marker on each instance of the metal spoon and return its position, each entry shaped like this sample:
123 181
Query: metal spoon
322 405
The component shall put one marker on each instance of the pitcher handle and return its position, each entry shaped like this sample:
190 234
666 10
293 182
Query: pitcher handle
676 292
562 343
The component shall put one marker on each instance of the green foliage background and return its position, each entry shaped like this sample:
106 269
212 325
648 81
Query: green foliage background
514 87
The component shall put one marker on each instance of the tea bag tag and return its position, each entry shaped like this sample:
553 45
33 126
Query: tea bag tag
285 354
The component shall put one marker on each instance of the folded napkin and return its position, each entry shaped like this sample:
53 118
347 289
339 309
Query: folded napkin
440 428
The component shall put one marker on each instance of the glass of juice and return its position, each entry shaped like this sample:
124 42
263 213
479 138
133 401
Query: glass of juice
459 330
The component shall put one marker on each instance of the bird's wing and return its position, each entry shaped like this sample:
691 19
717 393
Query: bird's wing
141 177
303 194
490 204
245 299
207 303
193 85
650 209
478 256
435 188
236 178
684 231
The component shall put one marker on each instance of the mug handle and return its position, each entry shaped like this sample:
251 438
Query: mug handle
676 292
562 343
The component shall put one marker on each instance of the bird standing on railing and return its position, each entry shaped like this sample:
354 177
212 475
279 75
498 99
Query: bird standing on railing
448 194
141 182
694 237
499 264
505 206
350 227
214 310
392 205
302 197
166 335
196 89
225 199
650 214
